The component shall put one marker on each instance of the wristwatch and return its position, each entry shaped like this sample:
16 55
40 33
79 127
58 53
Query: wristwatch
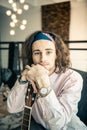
44 91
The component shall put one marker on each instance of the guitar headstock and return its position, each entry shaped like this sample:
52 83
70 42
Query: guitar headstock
30 96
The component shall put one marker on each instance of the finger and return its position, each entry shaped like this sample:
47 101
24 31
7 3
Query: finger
27 67
34 86
32 65
45 69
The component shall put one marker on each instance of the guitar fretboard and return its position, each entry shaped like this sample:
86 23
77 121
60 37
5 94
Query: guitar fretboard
26 118
29 101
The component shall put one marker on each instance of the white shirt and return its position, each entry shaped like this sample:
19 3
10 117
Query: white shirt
55 110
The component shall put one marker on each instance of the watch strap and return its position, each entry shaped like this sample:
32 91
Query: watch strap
22 81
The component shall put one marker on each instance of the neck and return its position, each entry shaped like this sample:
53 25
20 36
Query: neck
52 70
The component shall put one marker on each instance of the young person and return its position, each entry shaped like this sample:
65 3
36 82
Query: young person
47 66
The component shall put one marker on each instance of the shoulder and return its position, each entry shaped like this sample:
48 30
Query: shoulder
70 75
72 80
73 74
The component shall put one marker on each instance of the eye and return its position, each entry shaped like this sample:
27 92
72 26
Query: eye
48 52
36 53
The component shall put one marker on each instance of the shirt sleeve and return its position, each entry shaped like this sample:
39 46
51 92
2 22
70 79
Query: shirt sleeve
57 110
16 98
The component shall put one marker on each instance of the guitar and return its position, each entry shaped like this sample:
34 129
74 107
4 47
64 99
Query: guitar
29 101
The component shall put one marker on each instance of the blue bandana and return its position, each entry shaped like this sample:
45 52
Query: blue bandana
43 36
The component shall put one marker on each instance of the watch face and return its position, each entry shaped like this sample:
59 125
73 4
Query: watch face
43 90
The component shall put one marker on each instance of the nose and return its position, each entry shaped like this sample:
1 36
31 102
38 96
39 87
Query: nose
43 57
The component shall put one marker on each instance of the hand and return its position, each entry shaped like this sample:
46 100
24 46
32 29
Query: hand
39 75
24 77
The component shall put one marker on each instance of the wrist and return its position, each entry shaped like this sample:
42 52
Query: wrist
42 82
44 91
22 81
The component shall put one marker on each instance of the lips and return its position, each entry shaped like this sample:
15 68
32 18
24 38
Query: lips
44 64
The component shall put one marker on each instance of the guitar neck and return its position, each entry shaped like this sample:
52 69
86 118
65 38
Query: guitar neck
29 101
26 118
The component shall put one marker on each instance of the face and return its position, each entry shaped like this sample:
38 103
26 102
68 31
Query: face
44 53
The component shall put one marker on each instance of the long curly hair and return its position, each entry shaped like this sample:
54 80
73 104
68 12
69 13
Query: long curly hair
62 51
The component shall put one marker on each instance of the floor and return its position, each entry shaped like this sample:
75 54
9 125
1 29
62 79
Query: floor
8 121
3 106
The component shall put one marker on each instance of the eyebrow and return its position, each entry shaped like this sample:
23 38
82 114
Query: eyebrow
45 49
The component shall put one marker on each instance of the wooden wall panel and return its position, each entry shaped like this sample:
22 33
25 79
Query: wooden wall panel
56 18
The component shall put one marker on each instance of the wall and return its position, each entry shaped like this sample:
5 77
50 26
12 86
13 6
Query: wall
78 30
78 26
33 17
34 23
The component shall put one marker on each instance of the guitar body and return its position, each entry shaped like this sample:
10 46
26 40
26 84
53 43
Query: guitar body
29 101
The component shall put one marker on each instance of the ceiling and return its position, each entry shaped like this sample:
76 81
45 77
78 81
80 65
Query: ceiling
4 5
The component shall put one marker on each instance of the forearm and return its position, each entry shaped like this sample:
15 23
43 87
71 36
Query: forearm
16 98
52 112
56 109
56 113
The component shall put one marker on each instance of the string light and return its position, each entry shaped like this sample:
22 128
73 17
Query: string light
22 27
22 1
26 7
8 12
10 1
15 9
24 21
12 24
14 5
18 6
19 11
12 32
15 20
13 16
